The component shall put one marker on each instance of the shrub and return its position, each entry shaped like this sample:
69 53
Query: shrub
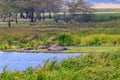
65 39
84 18
100 39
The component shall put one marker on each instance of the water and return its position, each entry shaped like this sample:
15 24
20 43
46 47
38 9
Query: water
21 61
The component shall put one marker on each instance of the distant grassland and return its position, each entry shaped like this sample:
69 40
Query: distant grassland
107 10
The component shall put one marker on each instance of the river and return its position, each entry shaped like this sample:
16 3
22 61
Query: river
23 60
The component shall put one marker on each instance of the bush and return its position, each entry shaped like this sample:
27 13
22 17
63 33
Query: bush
84 18
65 39
94 41
100 39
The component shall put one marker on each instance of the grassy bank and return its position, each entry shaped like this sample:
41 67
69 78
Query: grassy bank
74 49
93 49
102 66
24 34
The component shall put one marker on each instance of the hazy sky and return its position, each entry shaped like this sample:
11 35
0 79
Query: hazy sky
105 3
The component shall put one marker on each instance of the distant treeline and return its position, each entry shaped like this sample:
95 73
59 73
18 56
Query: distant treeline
35 10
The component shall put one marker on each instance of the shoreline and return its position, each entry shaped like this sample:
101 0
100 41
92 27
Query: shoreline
71 49
34 51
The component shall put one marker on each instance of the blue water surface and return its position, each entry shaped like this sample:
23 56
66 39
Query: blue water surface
23 60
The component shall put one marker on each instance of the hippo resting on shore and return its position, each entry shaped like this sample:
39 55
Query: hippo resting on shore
29 48
57 48
42 47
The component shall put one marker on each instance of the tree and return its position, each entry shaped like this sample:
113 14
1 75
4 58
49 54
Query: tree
56 7
8 11
81 7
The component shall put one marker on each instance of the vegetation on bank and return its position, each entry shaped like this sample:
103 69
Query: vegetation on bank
72 49
103 66
67 39
46 33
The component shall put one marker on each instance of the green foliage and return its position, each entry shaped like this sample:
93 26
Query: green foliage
83 33
34 40
95 41
100 39
106 17
65 39
84 18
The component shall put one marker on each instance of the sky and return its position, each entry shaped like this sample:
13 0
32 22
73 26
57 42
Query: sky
105 3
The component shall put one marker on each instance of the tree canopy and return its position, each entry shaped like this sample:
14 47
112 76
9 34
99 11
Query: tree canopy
36 9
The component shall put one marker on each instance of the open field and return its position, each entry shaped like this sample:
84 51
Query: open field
107 10
93 49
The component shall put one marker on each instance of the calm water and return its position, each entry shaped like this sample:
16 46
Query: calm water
21 61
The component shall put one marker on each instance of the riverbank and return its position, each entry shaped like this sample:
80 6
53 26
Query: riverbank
22 35
73 49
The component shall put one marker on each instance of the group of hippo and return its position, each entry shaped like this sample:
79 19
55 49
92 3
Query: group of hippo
52 48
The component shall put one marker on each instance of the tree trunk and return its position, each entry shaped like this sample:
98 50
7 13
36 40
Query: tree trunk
27 14
16 19
50 16
32 14
64 15
38 15
21 14
55 18
9 21
43 16
4 18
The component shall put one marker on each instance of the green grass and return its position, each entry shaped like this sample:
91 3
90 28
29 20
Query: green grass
93 49
108 10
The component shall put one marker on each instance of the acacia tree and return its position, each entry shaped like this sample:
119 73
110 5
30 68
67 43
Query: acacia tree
8 11
44 6
31 7
56 6
38 9
85 7
49 8
72 6
64 7
81 7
